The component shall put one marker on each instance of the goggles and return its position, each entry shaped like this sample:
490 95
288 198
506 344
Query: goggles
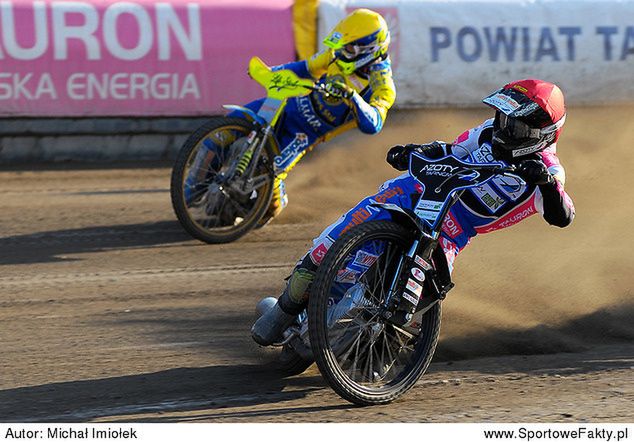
519 130
352 50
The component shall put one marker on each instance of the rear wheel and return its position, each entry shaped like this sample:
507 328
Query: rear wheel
210 205
366 359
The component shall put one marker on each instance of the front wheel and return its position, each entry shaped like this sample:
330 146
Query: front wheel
365 358
210 202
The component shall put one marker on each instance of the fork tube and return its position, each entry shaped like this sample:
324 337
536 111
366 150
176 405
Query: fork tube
257 151
397 274
437 227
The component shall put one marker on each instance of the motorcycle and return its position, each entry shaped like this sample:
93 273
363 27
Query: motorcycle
374 311
224 174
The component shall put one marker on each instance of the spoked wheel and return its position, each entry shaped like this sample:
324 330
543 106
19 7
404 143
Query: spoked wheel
366 359
209 202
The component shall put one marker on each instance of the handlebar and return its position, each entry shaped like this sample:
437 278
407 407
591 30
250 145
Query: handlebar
321 88
318 88
438 172
498 170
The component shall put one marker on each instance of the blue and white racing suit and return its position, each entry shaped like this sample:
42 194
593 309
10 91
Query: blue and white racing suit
501 202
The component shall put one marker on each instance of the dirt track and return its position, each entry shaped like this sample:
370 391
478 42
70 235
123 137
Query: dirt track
110 312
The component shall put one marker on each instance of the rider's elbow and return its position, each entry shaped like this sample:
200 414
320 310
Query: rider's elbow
369 118
560 221
371 126
370 130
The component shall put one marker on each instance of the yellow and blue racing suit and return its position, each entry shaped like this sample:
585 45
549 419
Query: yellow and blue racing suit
314 118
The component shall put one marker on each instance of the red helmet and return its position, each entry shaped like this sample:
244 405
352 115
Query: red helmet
530 115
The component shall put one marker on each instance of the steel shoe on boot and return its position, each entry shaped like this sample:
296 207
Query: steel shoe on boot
269 327
279 201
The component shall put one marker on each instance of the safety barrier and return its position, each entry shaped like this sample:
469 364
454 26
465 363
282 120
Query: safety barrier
140 58
452 52
187 58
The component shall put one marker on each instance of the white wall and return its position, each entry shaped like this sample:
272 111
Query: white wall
453 52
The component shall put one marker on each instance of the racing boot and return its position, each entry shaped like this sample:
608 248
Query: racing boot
269 328
279 201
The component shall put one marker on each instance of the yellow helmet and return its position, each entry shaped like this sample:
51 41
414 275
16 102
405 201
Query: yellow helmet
359 39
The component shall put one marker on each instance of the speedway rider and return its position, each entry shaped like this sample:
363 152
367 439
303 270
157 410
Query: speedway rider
529 115
356 72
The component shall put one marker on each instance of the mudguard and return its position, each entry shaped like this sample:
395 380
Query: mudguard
248 113
405 217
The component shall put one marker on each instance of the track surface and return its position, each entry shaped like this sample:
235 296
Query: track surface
110 312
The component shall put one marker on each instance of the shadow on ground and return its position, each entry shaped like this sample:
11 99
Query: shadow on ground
183 389
47 246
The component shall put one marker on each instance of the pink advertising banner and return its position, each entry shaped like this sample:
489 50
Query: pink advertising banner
137 57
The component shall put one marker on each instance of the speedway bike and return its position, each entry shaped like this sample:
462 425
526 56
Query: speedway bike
224 174
374 309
